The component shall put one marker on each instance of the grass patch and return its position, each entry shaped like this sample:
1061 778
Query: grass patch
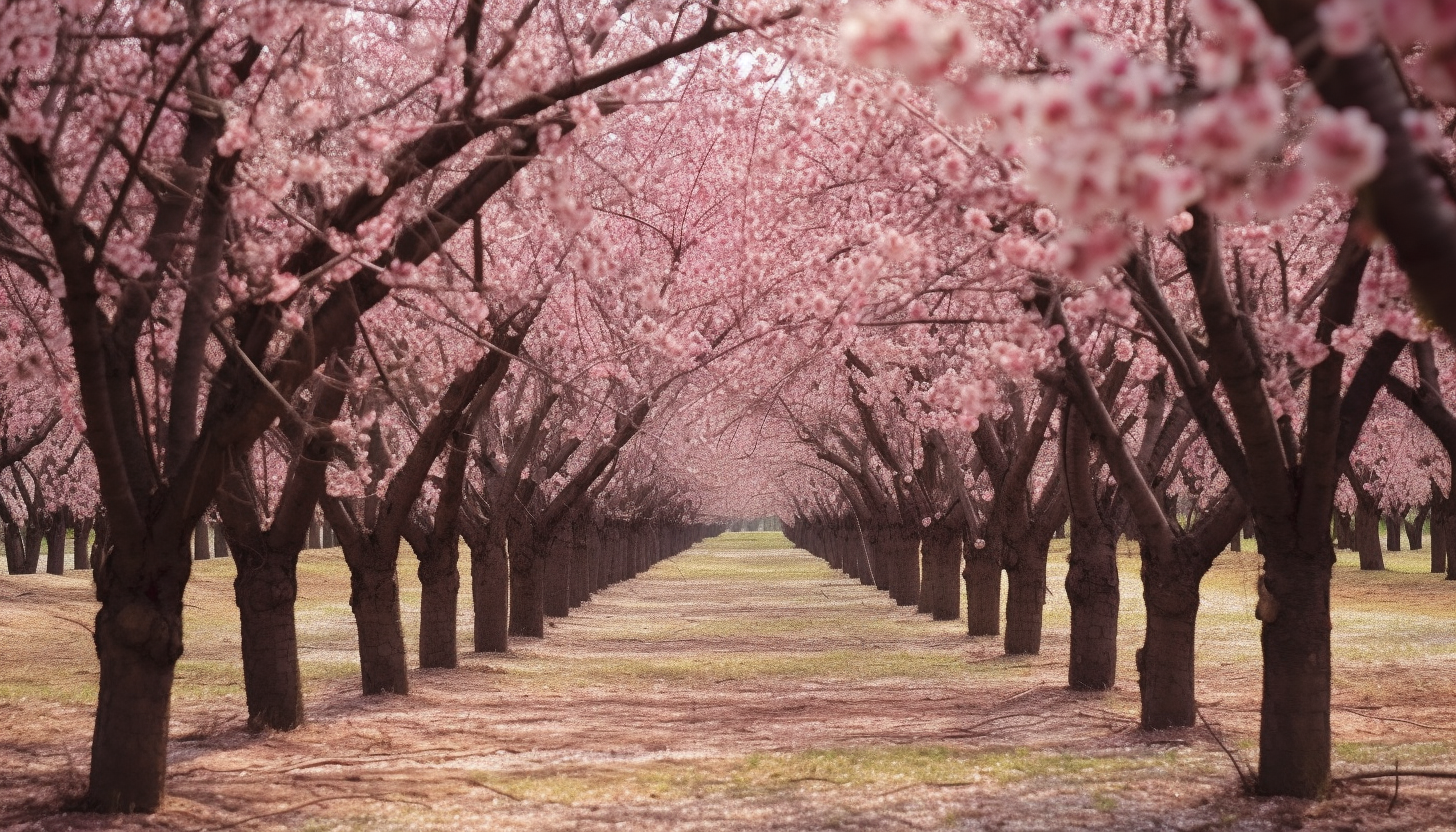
1406 754
761 775
740 541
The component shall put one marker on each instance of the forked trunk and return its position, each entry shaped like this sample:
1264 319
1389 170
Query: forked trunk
1294 733
266 589
983 592
1367 537
138 640
490 581
940 590
374 597
1415 529
439 573
1093 594
31 536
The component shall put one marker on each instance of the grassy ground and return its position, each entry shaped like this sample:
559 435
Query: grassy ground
741 685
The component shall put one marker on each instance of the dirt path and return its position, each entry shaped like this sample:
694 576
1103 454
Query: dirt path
725 689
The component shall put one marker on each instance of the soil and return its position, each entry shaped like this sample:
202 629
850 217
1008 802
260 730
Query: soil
737 687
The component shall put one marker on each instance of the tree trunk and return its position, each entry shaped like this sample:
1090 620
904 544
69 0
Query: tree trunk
14 549
899 550
56 547
439 573
1294 733
1392 532
1367 536
940 590
374 597
138 640
219 544
557 578
1094 596
1443 532
1165 661
1026 589
200 538
266 589
490 580
31 536
1344 531
527 613
983 592
1415 528
81 544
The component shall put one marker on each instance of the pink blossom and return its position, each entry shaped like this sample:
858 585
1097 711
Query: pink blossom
238 136
1044 220
1345 26
284 287
604 18
153 19
1425 130
1344 148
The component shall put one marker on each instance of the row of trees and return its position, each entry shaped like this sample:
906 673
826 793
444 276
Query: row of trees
535 275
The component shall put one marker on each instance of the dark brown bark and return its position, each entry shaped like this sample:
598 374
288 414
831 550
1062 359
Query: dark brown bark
1443 529
528 617
1092 586
1392 532
439 573
14 549
1294 737
200 539
1165 661
556 574
490 580
55 537
1415 527
1026 589
138 640
374 598
940 589
1344 531
983 590
1367 536
266 588
1094 595
81 543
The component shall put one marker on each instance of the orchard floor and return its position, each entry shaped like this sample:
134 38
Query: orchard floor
739 686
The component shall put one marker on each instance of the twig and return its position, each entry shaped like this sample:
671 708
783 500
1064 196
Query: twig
1396 772
1398 719
80 624
947 785
1396 794
1244 778
501 792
